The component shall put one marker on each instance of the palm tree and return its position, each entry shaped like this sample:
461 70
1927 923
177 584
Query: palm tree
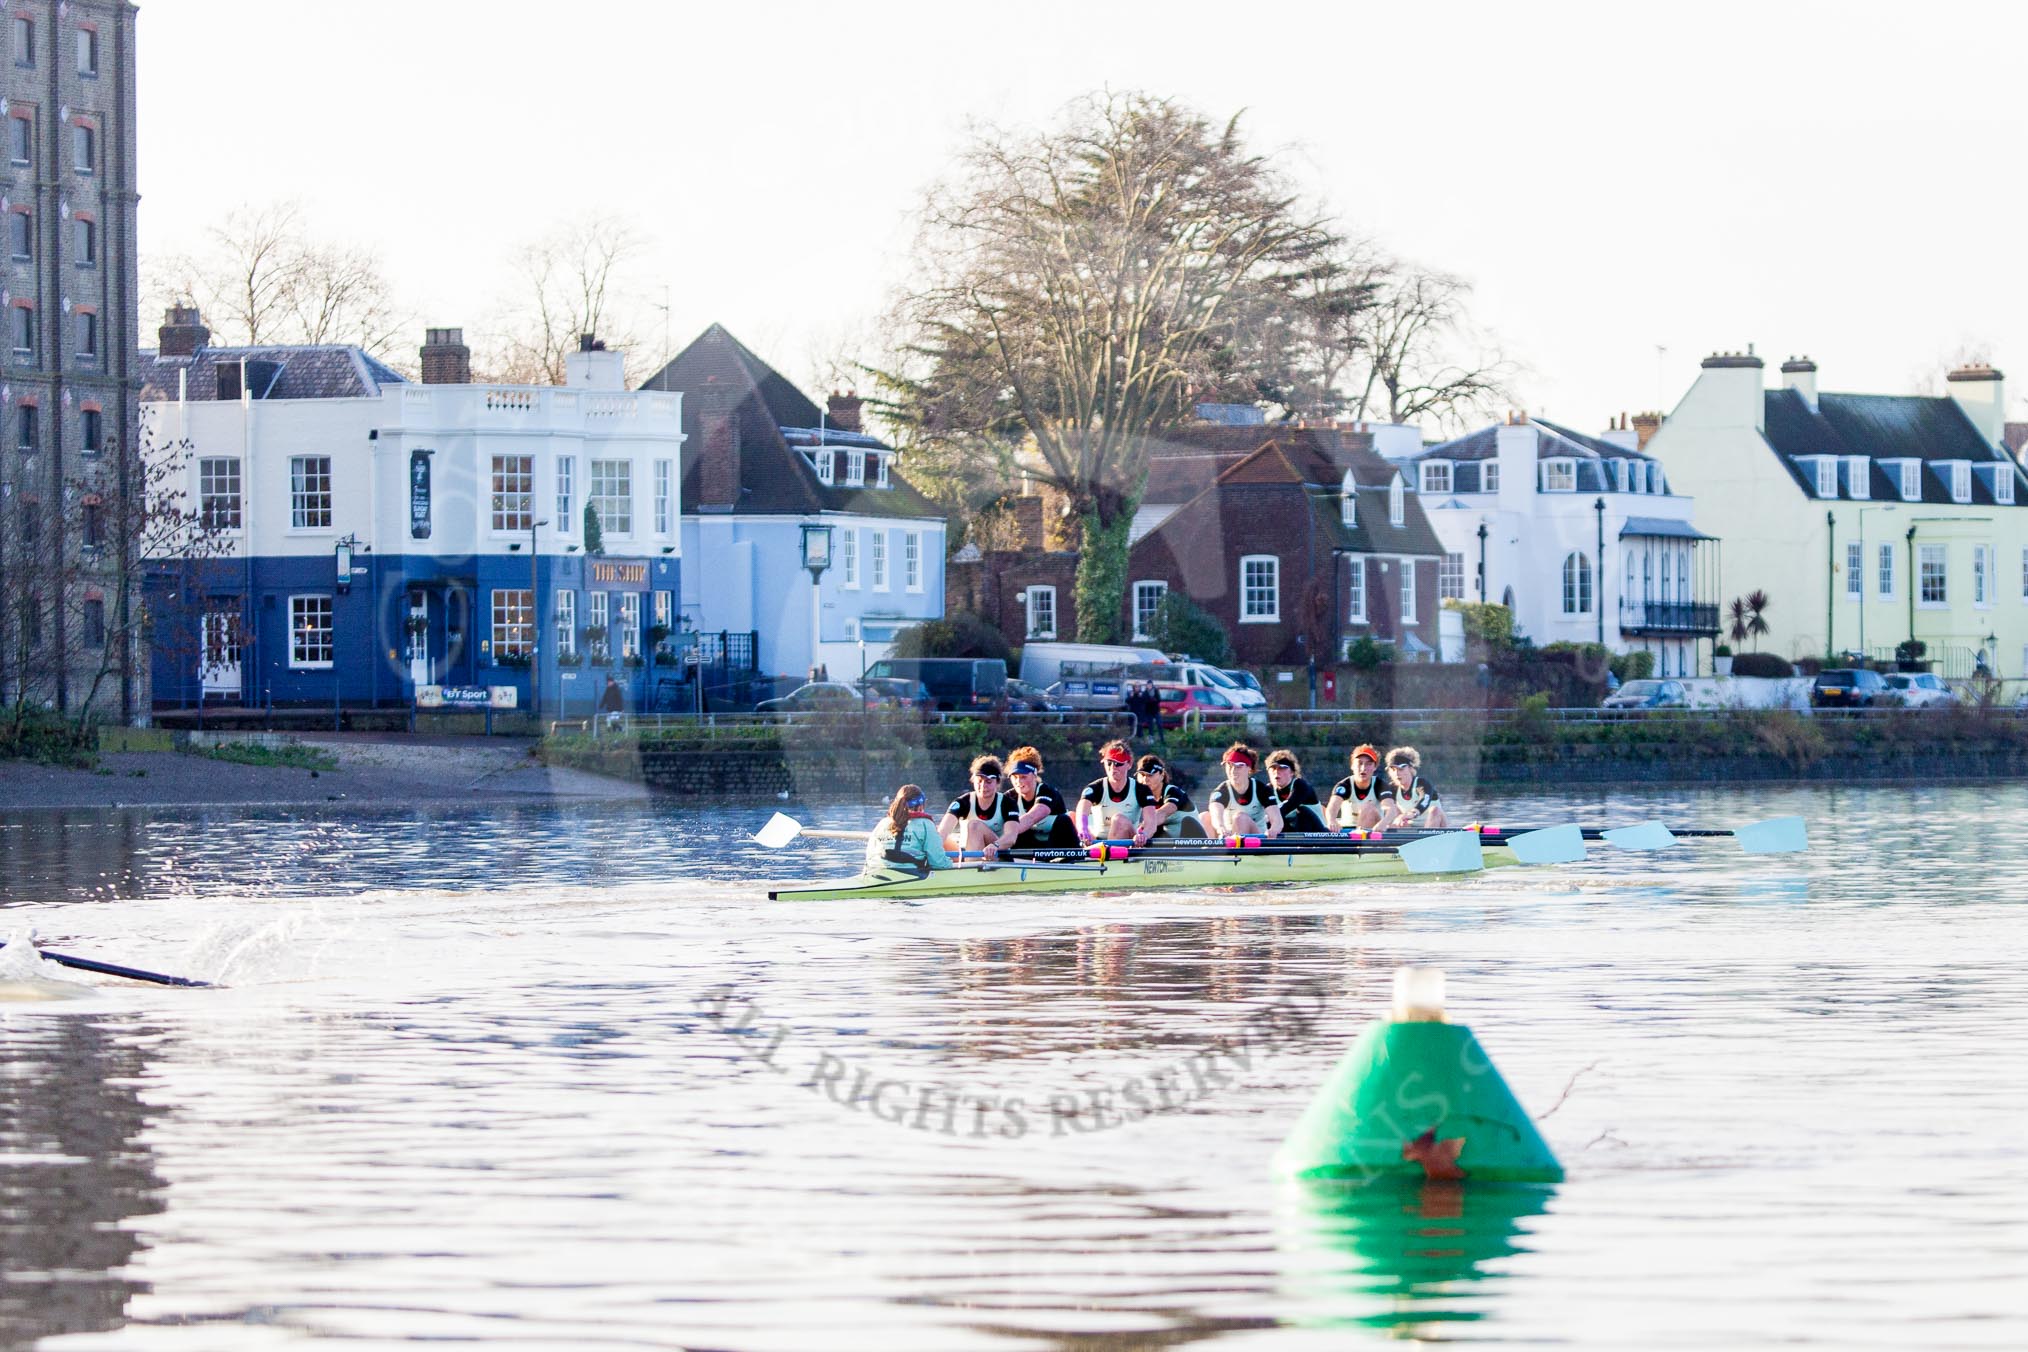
1748 616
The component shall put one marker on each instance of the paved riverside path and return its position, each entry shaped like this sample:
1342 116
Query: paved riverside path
374 770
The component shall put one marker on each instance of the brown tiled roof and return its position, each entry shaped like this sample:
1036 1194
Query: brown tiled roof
718 373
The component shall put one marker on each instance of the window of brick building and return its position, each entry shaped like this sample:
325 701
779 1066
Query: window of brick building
21 138
91 431
1260 589
1042 612
1147 600
27 428
94 623
87 335
20 236
24 41
87 52
84 147
84 237
92 526
24 333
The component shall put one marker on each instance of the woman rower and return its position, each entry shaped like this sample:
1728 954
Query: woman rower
973 822
1242 805
904 836
1354 804
1038 818
1174 815
1292 794
1110 806
1409 799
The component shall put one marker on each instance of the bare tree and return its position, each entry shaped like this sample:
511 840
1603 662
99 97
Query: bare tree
575 280
1413 353
1079 288
262 276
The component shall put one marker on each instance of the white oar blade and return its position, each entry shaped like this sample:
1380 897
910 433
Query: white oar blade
1551 845
1450 852
1640 836
1776 835
780 830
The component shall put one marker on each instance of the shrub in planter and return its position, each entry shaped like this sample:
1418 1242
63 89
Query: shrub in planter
1762 664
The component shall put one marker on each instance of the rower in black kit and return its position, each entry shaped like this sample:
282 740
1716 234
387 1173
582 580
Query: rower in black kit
1292 794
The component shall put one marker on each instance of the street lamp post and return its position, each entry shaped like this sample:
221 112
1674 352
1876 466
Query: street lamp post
341 557
816 559
1482 563
534 627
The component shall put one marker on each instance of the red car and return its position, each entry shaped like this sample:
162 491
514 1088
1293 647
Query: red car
1208 703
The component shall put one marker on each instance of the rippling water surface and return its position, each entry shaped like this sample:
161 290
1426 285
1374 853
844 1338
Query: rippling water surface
472 1078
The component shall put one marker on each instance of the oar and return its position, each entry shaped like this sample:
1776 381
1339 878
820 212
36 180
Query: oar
782 828
114 969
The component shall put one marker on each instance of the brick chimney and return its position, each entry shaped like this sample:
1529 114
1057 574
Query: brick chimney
445 358
182 332
845 411
718 455
1645 426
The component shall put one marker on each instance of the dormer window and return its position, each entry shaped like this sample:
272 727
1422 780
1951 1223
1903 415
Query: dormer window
1397 507
1559 476
1436 476
1620 475
1348 500
1827 478
880 471
1961 481
1489 476
855 468
2003 484
1858 476
1656 484
1911 481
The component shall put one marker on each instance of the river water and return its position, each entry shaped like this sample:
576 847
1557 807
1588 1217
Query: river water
472 1077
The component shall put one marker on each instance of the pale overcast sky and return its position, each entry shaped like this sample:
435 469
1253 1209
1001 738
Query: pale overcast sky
1837 179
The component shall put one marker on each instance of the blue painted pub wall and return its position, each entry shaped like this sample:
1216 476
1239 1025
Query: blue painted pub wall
370 666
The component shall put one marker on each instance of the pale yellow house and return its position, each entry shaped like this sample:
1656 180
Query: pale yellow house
1868 519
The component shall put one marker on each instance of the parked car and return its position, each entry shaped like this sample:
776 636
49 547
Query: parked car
1096 693
1649 694
1044 664
1031 698
1246 679
1200 674
1847 688
1917 690
897 692
1208 702
816 697
954 682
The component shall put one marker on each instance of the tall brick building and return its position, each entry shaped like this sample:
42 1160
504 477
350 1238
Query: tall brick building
68 398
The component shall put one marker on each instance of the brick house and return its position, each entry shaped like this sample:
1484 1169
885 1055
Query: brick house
1020 585
1299 545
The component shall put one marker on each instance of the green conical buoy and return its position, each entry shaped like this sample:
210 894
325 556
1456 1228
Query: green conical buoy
1416 1098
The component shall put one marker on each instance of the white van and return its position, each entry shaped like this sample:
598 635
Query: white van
1042 664
1201 674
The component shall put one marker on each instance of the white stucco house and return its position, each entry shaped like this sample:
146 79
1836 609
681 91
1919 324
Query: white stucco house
1582 537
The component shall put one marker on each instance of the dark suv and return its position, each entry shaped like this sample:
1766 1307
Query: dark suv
1846 688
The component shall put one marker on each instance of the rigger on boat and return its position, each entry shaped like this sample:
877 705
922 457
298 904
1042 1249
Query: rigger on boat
1122 842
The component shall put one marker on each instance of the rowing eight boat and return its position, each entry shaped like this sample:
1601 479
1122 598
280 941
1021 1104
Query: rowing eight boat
1176 872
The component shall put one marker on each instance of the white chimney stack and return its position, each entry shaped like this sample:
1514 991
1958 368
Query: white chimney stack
1800 374
592 367
1981 392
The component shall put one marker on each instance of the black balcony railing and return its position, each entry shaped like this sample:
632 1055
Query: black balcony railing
1669 617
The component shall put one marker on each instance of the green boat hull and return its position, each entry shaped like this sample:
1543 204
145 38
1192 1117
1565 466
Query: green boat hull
1171 873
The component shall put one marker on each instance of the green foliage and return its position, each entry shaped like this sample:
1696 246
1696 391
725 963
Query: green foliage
1721 650
37 735
291 756
1747 617
1485 622
1634 666
1910 650
1180 625
1762 664
961 633
594 537
1102 577
1367 655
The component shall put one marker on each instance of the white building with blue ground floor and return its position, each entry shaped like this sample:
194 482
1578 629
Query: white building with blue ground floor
376 542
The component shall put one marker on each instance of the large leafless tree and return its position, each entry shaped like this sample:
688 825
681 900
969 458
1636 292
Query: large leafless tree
262 274
574 280
1080 287
1409 351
